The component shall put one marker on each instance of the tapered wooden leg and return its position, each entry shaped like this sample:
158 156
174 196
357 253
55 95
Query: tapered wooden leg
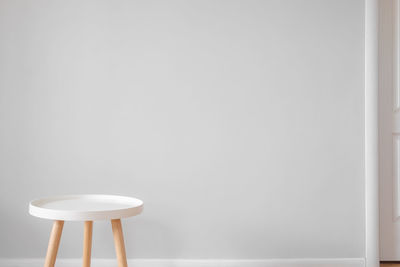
87 243
54 242
119 242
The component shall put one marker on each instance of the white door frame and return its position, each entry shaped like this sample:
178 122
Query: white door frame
371 135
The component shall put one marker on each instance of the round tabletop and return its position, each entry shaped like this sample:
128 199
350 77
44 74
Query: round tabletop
85 207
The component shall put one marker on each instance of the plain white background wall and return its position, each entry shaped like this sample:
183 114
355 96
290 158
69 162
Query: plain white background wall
239 123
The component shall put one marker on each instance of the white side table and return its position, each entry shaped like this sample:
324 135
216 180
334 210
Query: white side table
87 208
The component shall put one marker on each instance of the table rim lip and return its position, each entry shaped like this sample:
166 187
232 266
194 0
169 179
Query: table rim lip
125 212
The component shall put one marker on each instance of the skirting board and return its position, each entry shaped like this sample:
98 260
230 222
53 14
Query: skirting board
351 262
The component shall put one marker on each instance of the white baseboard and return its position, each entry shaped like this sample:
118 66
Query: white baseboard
337 262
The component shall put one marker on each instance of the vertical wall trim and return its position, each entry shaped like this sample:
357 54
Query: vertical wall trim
371 135
396 112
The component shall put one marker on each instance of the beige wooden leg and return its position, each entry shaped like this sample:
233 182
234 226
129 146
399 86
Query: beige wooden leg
119 242
54 242
87 243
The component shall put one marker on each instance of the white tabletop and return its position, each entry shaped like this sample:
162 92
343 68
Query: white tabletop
85 207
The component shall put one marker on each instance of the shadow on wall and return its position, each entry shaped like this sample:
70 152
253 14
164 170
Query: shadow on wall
153 236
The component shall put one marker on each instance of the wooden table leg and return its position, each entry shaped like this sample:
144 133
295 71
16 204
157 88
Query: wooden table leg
87 243
54 242
119 242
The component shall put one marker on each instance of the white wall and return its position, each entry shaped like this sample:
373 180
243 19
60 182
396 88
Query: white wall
239 123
